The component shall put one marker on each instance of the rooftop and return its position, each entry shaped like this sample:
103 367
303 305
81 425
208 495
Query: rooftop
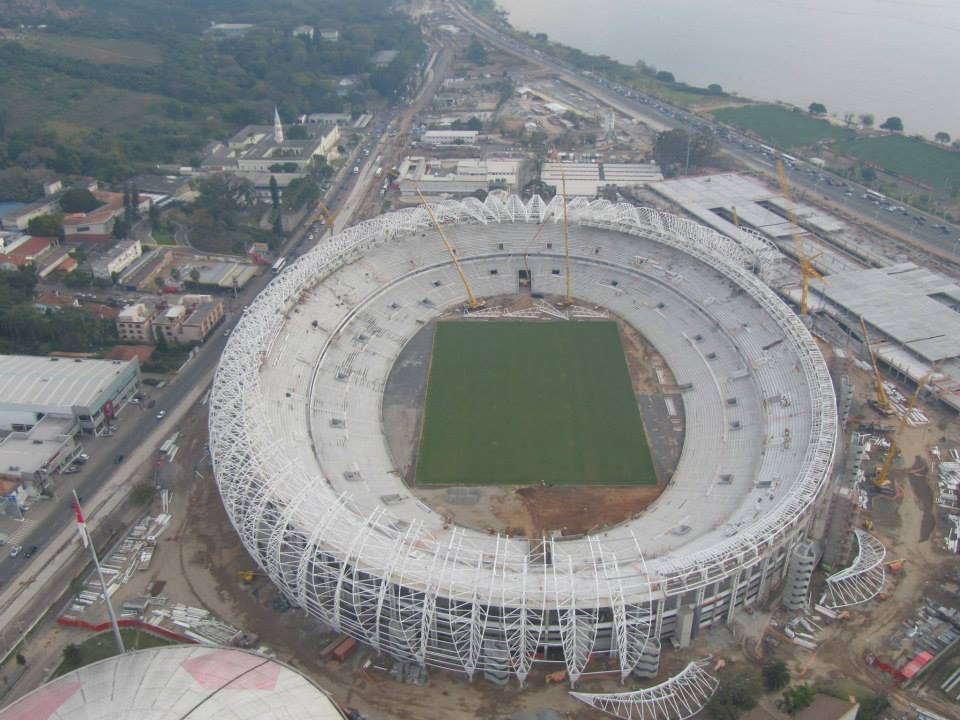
910 304
66 382
178 682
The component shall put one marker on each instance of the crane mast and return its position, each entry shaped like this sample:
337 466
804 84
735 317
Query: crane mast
882 479
882 403
472 301
807 270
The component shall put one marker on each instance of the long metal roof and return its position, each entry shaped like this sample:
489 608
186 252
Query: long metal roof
902 302
63 382
175 683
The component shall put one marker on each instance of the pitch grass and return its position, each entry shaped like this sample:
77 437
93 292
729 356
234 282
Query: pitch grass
781 127
525 403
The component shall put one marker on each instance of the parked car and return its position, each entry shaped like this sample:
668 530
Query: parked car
16 550
30 551
161 415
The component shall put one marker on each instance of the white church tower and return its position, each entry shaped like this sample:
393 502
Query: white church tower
277 126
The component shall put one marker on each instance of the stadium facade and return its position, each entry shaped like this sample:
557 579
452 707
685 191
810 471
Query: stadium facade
303 469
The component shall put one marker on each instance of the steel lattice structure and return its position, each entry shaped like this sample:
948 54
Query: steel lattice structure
863 580
454 600
681 696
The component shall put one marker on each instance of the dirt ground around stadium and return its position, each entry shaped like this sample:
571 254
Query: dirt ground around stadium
199 559
909 527
537 511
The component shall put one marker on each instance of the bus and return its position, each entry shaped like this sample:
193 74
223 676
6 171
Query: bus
279 265
790 158
874 195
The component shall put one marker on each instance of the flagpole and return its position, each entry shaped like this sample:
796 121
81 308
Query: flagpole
88 542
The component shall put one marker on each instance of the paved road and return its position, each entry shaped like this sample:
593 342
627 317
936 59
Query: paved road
929 233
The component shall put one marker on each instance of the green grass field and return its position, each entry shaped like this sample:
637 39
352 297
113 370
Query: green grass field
781 127
100 647
920 160
515 403
98 50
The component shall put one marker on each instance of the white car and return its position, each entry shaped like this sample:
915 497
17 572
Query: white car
161 415
16 550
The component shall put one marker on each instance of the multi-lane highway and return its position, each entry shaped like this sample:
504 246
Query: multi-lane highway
926 231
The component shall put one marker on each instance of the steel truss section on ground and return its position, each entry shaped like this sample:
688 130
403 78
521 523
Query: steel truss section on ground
863 580
680 697
444 602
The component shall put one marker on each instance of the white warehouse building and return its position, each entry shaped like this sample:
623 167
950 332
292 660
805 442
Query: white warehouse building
92 391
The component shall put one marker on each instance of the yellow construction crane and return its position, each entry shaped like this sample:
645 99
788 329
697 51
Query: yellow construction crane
472 302
807 270
568 299
882 402
733 212
882 478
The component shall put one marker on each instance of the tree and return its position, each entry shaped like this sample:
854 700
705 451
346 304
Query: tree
866 119
796 698
776 676
942 137
78 200
715 89
296 132
46 226
665 76
848 118
868 174
892 123
873 707
816 108
154 216
21 660
72 655
476 52
274 193
677 149
277 226
737 692
159 282
194 275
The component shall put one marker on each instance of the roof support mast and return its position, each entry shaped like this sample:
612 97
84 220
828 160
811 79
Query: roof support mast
472 302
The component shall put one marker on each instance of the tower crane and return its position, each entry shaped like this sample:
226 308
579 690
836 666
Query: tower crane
882 402
473 303
882 477
807 270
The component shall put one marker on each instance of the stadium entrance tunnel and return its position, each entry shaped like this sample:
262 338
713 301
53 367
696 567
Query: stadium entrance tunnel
309 479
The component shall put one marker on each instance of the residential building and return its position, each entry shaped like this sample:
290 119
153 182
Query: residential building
96 226
303 31
92 391
135 324
27 253
384 57
229 29
117 259
54 301
28 458
326 119
456 178
187 321
19 218
450 137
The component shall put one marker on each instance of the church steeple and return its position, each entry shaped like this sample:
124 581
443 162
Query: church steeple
277 126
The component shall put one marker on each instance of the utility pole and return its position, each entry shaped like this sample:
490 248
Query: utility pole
686 164
88 543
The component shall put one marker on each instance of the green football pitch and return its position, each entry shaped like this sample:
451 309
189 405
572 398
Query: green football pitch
525 403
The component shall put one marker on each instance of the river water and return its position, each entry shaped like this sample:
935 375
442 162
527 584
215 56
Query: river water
885 57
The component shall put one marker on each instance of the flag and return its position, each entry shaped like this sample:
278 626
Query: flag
81 523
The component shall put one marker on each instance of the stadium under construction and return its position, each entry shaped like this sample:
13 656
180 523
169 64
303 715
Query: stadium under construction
309 481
